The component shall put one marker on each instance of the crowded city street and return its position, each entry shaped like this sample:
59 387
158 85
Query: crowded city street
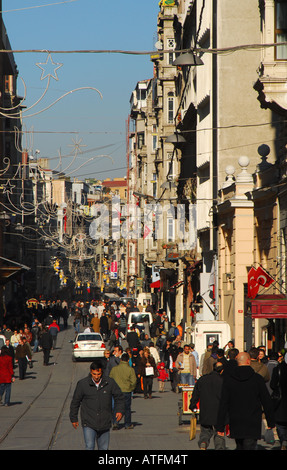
143 228
38 415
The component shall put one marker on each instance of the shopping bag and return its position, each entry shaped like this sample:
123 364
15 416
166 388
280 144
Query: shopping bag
269 436
192 432
149 371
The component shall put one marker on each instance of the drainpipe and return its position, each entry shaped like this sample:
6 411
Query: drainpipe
214 234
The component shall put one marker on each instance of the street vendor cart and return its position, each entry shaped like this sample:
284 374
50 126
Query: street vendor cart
183 404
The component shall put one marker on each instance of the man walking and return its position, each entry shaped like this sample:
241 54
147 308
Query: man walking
207 391
244 396
124 375
46 343
186 365
22 356
93 395
54 330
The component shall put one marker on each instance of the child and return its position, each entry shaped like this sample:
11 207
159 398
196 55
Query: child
162 375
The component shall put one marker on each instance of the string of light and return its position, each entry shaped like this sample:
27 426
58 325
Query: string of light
199 50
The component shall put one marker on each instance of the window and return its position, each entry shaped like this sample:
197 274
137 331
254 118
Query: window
141 139
170 223
171 58
154 185
154 142
281 28
170 108
170 229
141 94
154 136
170 170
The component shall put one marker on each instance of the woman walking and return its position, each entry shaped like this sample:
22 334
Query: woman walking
147 371
6 375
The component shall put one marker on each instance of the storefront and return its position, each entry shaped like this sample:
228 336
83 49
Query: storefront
272 309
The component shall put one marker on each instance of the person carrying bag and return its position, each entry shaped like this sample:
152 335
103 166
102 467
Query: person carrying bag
147 371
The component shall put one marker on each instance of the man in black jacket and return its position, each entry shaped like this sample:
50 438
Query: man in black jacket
46 343
133 339
207 391
94 395
244 396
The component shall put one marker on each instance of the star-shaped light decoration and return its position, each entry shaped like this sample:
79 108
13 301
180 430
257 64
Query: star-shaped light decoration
49 68
77 145
8 187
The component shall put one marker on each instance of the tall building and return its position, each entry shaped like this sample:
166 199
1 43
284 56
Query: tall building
217 92
219 107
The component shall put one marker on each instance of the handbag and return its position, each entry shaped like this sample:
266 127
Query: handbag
149 371
192 431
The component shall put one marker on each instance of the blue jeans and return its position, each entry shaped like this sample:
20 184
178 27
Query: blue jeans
5 388
91 436
77 326
36 344
186 379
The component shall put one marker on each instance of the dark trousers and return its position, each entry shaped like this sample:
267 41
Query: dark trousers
246 444
46 354
54 339
173 375
147 385
282 432
207 433
22 362
128 408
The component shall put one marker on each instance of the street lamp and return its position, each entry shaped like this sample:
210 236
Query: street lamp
189 59
175 139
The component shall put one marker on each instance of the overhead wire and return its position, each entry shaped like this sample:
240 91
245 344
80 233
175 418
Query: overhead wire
38 6
198 50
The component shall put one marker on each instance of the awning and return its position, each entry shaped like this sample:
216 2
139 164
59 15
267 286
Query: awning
156 284
269 306
9 269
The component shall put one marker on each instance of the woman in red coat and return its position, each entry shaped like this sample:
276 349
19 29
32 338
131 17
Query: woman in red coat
6 375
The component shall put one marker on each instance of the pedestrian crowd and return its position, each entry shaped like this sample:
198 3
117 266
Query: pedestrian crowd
153 347
135 356
243 396
234 392
38 332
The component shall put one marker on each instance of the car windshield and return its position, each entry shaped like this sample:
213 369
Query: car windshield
138 317
89 338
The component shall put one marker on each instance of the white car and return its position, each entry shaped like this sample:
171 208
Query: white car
88 346
139 318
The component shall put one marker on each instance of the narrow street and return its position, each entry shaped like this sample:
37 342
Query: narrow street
38 418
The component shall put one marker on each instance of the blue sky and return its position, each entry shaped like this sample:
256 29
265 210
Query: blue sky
97 124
